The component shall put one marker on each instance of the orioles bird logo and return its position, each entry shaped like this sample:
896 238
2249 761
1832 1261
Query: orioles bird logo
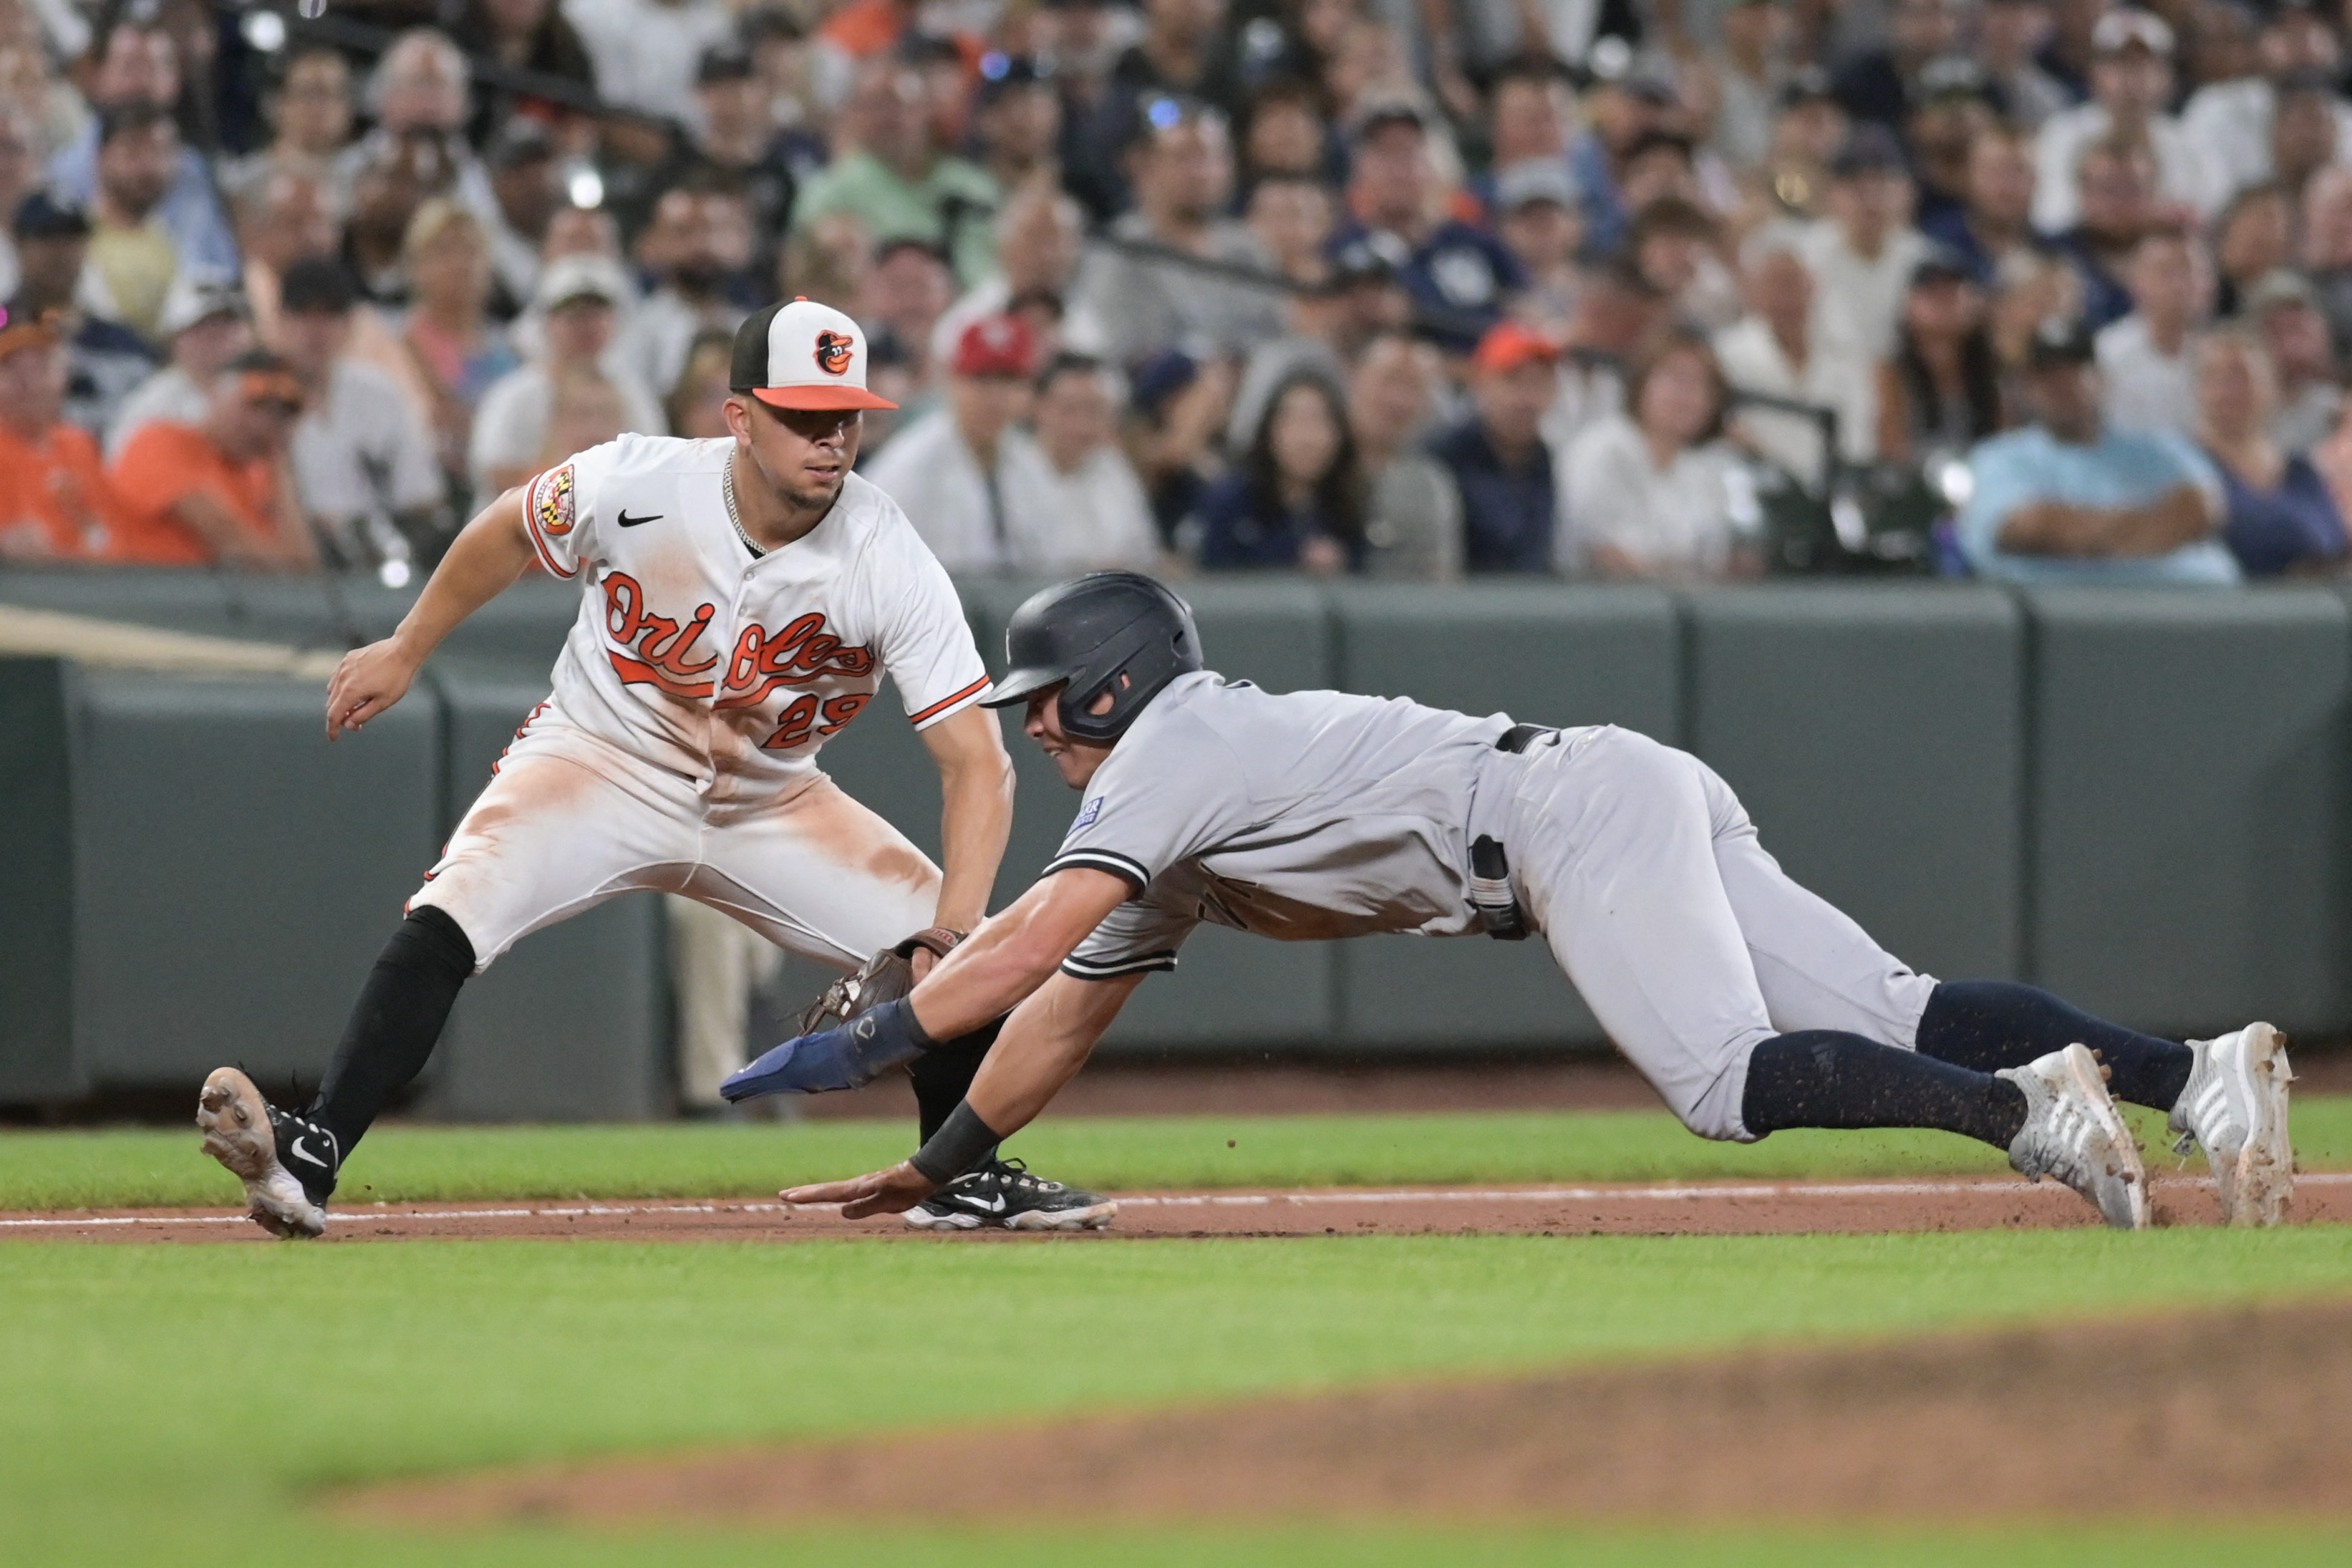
833 351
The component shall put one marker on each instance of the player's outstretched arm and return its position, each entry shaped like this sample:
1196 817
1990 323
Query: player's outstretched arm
483 562
1011 955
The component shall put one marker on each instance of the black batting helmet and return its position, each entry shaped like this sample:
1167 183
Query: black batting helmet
1084 635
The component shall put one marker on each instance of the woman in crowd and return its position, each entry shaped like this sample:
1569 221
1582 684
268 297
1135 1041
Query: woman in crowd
1942 389
2281 518
1648 492
1296 498
449 332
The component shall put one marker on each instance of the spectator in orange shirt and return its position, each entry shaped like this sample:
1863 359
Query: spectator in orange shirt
222 493
54 503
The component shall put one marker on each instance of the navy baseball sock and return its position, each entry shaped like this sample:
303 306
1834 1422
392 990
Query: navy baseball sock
1989 1023
944 1073
1827 1077
395 1023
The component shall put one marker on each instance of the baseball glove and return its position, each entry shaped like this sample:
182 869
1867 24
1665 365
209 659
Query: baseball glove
884 978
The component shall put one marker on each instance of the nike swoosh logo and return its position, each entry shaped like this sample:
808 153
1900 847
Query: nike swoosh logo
628 522
991 1206
301 1154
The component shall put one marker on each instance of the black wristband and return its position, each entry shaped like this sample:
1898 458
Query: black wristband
962 1141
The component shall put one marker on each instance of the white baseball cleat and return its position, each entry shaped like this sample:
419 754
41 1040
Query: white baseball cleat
240 1131
2235 1109
2073 1132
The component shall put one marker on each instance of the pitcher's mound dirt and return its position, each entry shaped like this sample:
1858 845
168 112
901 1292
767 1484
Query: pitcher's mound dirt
2228 1414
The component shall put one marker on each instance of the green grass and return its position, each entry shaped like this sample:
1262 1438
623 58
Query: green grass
179 1405
418 1163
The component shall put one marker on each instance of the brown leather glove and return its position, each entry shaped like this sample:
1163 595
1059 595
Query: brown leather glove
884 978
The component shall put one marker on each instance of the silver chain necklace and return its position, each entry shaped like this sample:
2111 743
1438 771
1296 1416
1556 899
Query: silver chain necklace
735 520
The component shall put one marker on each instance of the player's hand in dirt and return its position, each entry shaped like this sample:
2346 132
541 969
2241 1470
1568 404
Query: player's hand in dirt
368 681
894 1191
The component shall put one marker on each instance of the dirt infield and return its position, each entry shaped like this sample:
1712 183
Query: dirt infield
1726 1208
2195 1417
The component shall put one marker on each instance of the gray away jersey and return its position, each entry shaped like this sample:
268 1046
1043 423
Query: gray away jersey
1316 815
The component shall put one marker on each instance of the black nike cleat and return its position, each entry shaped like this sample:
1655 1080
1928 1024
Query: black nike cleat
288 1162
1002 1194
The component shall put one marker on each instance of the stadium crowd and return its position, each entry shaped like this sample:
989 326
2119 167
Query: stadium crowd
1409 289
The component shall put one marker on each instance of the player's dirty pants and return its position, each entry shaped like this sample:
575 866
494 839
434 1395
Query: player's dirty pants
1690 943
570 821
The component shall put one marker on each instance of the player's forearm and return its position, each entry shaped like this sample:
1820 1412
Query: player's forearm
483 561
1010 956
1044 1045
975 822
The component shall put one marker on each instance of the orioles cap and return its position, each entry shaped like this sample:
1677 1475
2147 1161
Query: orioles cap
801 355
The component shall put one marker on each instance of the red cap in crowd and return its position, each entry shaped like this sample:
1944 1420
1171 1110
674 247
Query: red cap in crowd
995 346
1510 344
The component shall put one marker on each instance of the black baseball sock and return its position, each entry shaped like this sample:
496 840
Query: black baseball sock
1989 1023
395 1023
1827 1077
944 1073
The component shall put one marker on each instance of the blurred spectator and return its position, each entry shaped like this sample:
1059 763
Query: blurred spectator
309 109
449 330
1616 312
1954 110
56 113
2030 287
2311 129
1541 224
1182 54
136 63
894 177
422 87
1283 133
2068 52
2327 249
1292 216
1501 465
1647 493
1073 499
1183 172
645 51
2278 516
219 493
1328 326
2117 187
2010 36
698 240
2254 238
2145 357
1295 497
393 179
2284 315
902 300
284 217
1618 112
364 461
1017 123
581 297
1807 131
526 190
1774 350
1677 249
1995 218
1881 85
946 467
19 167
1412 524
526 35
1748 74
133 254
735 138
205 325
2232 120
104 360
1941 392
1529 111
2069 499
1862 258
695 407
584 410
1039 235
2131 84
55 502
1177 404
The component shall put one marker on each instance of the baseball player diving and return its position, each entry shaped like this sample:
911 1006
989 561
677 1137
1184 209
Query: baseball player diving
740 601
1749 1002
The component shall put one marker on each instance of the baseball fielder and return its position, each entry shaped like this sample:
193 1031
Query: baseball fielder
1749 1002
740 601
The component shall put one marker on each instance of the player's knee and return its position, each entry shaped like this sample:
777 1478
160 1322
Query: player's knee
431 939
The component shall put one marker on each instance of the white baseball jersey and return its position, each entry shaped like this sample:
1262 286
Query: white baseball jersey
729 669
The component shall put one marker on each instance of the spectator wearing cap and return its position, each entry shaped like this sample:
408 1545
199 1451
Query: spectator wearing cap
2278 515
104 360
645 51
1808 127
136 63
1040 238
448 330
1541 223
1501 466
1862 258
55 501
1952 107
205 325
1940 393
2284 315
219 493
1647 492
2131 83
946 468
1462 276
1749 69
2009 34
2146 358
133 254
1183 174
698 244
1774 351
579 300
1072 500
1296 498
1618 110
364 468
2232 120
1995 215
308 107
2069 499
1412 523
1881 85
894 178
